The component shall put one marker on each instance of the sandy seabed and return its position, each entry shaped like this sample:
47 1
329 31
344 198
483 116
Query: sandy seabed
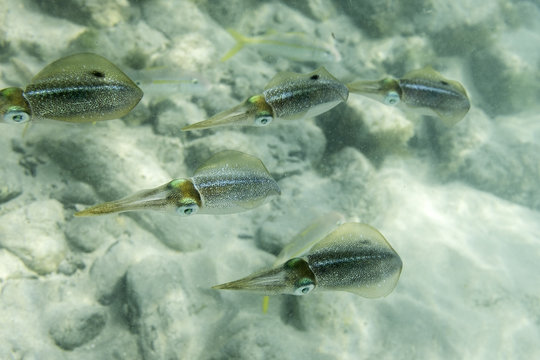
460 205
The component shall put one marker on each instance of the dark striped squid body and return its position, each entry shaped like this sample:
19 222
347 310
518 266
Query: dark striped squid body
287 96
228 182
78 88
354 257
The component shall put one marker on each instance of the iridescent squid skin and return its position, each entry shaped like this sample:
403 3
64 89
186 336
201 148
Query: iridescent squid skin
353 257
78 88
287 96
424 90
228 182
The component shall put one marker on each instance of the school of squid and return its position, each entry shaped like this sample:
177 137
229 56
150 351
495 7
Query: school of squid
331 254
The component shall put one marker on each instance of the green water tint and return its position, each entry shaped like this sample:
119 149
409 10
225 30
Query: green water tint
78 88
353 257
228 182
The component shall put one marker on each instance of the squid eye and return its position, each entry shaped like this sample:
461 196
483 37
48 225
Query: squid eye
188 209
392 98
16 116
304 287
304 290
263 120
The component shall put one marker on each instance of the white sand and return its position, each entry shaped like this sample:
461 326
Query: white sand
460 206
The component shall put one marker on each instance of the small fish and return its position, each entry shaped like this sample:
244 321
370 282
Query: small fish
164 81
353 257
78 88
228 182
288 96
424 90
294 46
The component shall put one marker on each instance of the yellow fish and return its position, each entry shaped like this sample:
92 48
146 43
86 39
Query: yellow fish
294 45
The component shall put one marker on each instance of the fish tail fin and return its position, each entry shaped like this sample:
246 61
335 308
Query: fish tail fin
26 128
241 40
266 299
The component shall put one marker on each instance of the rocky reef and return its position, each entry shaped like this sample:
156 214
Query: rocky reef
460 205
